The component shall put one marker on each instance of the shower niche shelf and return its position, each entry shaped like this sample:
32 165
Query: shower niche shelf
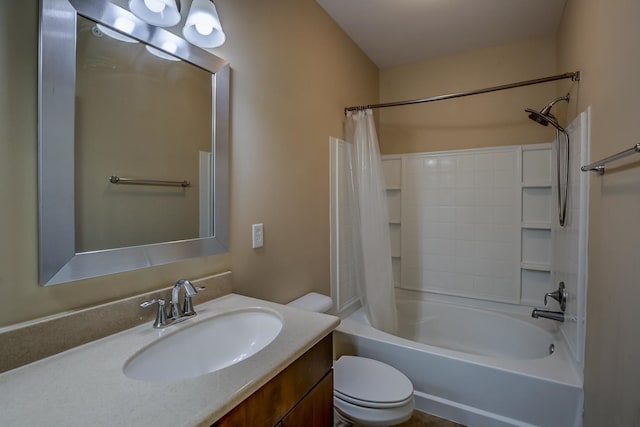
394 201
536 223
535 267
541 184
394 235
392 170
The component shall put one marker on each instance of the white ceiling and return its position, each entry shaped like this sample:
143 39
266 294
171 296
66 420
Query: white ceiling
394 32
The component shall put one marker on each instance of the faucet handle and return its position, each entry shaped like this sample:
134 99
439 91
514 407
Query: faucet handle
187 306
161 314
560 295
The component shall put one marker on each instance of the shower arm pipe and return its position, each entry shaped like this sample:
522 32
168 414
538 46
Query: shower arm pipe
574 76
599 165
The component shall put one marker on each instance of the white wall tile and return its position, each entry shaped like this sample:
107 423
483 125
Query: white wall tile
484 179
465 179
446 197
465 162
485 162
464 235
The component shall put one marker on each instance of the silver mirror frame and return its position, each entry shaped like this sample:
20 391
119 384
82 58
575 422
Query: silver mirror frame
58 260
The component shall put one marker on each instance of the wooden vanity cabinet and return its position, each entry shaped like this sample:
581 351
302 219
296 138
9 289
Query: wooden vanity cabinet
301 395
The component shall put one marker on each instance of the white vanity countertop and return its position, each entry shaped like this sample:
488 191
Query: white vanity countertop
86 386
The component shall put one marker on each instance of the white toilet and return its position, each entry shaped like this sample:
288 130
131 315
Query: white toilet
366 392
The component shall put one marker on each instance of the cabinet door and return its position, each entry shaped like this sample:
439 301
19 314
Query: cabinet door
315 409
275 399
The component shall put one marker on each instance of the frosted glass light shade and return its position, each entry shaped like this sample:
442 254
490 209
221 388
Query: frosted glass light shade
101 29
162 13
160 54
203 27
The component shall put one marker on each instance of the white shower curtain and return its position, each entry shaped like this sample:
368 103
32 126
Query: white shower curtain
371 248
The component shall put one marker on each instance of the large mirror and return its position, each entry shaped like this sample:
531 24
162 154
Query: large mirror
133 144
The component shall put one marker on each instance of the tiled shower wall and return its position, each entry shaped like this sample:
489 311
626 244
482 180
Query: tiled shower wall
473 223
461 223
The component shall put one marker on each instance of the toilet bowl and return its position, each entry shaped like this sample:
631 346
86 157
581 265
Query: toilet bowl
366 392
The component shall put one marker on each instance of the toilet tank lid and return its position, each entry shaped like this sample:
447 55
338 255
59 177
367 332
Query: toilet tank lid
313 301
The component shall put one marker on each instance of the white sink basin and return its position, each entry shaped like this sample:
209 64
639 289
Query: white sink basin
205 347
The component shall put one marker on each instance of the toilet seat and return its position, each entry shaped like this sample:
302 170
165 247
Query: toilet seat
369 383
369 404
362 415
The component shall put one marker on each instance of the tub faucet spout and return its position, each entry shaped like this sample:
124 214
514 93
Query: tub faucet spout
553 315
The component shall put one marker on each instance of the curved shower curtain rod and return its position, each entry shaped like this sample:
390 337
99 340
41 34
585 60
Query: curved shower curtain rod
574 76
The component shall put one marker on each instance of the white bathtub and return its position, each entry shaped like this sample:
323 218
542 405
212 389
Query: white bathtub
476 367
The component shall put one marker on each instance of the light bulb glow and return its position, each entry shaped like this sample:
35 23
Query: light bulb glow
162 13
204 28
124 24
169 47
156 6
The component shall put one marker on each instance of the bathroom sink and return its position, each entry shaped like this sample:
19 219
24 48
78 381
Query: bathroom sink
206 346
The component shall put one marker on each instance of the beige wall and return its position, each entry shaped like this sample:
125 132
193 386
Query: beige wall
601 39
293 72
485 120
291 79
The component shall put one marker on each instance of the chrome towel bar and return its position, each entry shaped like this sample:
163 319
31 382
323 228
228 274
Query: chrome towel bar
599 165
120 180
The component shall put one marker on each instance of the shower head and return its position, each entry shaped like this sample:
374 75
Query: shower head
544 116
544 119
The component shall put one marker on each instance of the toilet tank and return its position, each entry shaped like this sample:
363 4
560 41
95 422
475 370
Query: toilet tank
313 301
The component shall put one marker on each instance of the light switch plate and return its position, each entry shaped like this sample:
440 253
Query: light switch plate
257 236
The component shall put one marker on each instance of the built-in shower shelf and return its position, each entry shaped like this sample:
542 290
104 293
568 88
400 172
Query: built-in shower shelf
392 171
537 225
536 184
536 222
535 266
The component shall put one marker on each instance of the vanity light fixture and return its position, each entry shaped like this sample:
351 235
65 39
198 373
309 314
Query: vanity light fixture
202 27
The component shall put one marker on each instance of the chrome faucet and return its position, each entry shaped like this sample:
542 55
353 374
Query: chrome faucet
190 290
553 315
175 314
561 296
